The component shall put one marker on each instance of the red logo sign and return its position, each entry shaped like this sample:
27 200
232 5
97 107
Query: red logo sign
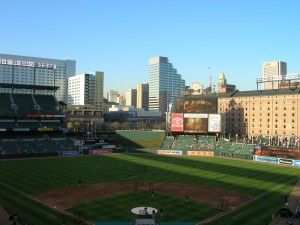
177 122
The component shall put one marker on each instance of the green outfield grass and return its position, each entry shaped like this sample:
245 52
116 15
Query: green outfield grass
268 183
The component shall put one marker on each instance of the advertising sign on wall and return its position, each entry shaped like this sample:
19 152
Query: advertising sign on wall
214 123
196 105
100 152
69 153
278 152
169 152
200 153
177 122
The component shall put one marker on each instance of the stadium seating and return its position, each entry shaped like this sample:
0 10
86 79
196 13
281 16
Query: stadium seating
6 103
25 104
192 142
47 103
4 124
9 147
51 124
168 143
32 124
66 145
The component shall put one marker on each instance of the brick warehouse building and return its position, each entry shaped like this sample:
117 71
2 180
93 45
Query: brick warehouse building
261 113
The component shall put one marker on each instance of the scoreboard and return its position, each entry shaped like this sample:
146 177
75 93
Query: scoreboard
196 115
195 122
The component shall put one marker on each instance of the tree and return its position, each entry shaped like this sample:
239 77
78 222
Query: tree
78 125
115 126
70 125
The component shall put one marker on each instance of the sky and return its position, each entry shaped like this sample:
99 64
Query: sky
201 38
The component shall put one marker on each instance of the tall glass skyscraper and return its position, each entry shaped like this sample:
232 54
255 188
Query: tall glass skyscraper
164 84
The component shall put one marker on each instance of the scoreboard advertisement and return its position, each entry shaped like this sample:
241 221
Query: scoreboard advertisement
214 123
177 122
195 122
277 152
196 105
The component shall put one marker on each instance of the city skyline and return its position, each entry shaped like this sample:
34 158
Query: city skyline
201 38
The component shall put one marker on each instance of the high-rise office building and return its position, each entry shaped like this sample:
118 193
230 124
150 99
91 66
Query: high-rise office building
19 72
112 96
130 95
121 99
164 84
142 96
272 70
86 89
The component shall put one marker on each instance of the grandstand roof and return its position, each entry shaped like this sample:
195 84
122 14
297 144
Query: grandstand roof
259 93
26 86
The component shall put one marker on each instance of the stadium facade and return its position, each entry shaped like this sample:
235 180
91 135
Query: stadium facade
34 71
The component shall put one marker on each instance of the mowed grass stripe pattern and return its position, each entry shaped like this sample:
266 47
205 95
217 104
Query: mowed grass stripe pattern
101 210
34 176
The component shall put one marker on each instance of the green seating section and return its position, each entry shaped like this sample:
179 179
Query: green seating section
33 125
9 148
168 143
47 103
5 108
30 146
24 104
192 142
7 124
52 124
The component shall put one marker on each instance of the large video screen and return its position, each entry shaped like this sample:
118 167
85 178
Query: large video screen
196 105
195 122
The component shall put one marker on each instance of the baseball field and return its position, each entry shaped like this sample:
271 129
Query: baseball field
103 189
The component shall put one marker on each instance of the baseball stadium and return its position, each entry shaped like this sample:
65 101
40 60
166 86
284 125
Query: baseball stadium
191 174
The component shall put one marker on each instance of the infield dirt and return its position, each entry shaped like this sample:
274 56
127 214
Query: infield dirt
69 197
